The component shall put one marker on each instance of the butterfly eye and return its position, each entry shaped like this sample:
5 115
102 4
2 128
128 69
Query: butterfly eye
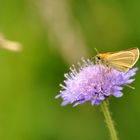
98 57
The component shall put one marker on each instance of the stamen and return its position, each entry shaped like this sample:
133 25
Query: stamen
130 86
80 66
67 76
89 62
84 61
73 70
62 86
71 75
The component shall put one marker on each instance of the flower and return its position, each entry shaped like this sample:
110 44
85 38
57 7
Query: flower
93 82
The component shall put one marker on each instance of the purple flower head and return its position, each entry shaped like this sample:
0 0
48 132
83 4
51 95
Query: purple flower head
93 82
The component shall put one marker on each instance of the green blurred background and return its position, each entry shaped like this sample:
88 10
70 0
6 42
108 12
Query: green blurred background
29 80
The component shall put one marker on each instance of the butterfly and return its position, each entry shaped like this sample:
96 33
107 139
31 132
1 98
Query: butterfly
121 60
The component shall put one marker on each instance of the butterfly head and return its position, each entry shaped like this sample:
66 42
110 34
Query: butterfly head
98 58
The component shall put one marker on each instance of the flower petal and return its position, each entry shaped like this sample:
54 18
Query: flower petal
118 94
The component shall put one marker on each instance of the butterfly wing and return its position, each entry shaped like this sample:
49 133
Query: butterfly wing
135 51
123 60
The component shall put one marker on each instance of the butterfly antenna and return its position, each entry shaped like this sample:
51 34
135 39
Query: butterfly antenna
96 50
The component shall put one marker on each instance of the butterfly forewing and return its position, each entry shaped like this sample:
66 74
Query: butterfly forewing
135 51
124 60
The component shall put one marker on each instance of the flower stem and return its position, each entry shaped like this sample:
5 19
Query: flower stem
109 121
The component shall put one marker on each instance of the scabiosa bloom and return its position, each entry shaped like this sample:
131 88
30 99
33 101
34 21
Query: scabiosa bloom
93 82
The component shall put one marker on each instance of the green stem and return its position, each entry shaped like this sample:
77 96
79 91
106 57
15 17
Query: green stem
109 121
